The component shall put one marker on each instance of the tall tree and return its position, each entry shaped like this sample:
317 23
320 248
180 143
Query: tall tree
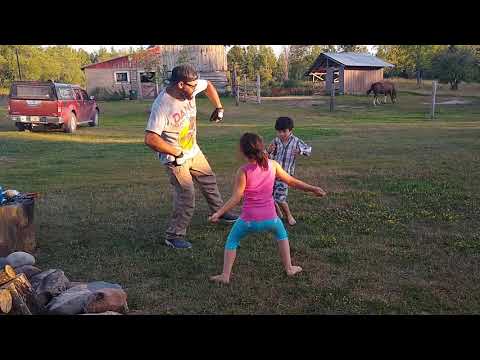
454 65
352 48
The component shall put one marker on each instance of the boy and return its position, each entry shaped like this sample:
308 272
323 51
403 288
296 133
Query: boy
284 149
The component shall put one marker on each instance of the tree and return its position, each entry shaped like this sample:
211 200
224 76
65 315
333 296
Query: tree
352 48
409 60
280 72
454 65
301 57
236 57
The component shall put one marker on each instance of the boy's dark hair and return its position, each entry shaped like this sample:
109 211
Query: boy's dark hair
284 123
185 72
252 147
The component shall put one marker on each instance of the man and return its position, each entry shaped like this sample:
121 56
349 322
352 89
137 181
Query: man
171 132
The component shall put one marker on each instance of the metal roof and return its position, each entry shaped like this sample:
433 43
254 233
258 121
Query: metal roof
357 59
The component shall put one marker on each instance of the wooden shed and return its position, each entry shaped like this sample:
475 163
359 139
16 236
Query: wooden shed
135 72
352 73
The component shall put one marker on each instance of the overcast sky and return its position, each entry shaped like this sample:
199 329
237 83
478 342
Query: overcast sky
90 48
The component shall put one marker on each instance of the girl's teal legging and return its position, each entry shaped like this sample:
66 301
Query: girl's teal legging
242 228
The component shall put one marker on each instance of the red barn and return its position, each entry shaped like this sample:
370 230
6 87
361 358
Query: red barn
139 72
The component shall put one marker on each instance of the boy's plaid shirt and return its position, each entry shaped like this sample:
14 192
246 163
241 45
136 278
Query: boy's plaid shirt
284 154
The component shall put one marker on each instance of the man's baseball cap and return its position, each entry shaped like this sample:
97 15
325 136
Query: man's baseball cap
183 73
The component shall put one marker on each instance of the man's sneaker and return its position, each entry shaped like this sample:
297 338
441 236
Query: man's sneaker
178 243
229 218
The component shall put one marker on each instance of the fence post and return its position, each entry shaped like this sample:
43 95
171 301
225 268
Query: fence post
258 89
245 88
332 95
235 87
434 95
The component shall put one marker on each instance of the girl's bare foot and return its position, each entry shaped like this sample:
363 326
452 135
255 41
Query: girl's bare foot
293 270
291 221
220 279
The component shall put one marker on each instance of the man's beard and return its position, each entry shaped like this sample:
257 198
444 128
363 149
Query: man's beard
186 96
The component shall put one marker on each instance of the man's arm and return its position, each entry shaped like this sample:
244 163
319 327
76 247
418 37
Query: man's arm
212 95
156 143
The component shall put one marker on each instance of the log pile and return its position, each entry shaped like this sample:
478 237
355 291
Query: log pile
27 290
16 294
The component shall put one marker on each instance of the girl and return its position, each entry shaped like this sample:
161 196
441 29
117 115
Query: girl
254 181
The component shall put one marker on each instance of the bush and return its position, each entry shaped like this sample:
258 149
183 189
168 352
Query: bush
110 95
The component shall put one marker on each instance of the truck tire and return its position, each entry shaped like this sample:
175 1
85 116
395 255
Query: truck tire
71 125
20 126
94 121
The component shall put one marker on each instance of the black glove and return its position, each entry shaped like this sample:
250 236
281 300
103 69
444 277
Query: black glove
179 160
217 115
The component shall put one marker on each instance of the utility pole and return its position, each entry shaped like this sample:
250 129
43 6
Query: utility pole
18 64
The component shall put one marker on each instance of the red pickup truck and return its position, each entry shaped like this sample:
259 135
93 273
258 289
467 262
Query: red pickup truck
51 105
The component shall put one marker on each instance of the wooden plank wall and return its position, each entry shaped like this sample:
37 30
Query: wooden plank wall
358 81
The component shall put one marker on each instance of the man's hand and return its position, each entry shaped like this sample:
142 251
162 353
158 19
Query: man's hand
214 218
217 115
296 152
319 192
179 159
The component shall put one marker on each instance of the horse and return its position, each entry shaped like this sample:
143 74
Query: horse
385 88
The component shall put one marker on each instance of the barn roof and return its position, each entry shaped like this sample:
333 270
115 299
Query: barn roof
350 59
123 60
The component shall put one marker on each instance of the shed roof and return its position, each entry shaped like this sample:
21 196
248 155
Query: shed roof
350 59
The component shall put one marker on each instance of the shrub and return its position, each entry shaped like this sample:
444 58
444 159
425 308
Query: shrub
110 94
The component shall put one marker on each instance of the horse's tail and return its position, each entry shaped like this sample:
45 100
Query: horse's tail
394 92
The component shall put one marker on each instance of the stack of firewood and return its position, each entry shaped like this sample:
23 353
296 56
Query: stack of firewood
16 294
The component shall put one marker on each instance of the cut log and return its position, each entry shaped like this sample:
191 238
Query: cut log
24 301
7 274
17 230
5 301
19 306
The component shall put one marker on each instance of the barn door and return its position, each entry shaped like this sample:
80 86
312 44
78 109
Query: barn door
148 84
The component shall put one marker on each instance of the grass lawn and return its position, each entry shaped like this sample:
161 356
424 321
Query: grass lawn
399 232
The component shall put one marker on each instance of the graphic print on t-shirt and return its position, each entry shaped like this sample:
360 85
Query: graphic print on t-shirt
185 121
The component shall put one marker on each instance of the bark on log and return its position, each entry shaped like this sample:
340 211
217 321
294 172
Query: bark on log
17 230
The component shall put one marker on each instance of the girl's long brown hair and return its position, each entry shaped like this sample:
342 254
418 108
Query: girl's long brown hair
252 147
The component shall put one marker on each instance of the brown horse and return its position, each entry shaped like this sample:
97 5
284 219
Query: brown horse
385 88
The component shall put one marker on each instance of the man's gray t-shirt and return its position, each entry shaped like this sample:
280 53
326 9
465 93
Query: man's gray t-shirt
175 122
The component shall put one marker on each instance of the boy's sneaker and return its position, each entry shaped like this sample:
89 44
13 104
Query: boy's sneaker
178 243
229 218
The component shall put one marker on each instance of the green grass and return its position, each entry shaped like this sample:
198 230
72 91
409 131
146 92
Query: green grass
399 232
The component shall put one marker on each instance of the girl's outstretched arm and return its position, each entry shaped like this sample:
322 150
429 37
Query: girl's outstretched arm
237 194
293 182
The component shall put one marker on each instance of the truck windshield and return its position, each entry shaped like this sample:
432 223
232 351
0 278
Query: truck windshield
40 92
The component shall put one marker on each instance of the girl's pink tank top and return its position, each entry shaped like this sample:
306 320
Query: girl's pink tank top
258 203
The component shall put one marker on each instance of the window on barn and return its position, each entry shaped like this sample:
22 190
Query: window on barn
121 76
147 77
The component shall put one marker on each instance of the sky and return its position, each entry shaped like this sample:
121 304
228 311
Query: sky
90 48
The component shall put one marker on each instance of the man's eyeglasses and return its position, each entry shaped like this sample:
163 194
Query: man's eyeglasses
193 87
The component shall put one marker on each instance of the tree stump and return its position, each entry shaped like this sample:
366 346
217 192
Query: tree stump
24 301
17 231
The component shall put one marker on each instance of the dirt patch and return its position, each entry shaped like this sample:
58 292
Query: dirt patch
350 107
453 101
297 101
6 160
